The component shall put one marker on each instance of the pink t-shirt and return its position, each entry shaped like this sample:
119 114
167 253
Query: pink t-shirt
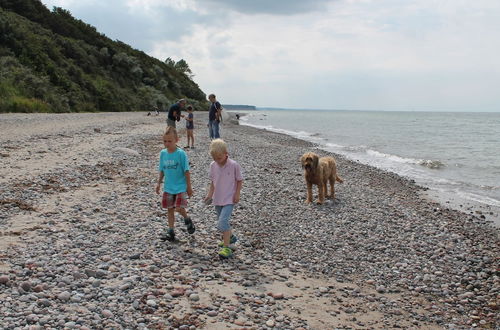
224 179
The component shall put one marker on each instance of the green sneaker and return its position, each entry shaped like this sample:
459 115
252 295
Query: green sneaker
225 252
232 240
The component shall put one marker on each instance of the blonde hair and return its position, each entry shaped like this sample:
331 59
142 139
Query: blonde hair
171 130
217 147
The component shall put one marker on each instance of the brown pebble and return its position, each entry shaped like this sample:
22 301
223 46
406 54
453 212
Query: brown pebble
4 279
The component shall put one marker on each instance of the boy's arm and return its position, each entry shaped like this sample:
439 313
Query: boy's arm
188 182
160 181
236 198
210 193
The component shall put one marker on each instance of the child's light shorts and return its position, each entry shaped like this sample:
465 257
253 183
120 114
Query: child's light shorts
223 216
171 201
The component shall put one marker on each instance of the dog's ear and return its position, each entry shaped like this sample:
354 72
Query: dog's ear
315 161
302 160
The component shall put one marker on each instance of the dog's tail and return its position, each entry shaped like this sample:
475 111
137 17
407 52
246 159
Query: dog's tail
338 179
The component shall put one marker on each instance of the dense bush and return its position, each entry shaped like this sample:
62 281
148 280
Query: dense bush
50 61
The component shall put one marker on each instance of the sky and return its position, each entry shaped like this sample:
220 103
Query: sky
415 55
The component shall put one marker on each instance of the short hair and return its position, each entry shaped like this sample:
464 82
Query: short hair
211 95
170 130
189 107
218 146
181 100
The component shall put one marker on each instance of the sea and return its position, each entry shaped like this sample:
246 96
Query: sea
454 154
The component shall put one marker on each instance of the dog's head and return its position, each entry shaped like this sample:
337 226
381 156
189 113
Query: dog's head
309 161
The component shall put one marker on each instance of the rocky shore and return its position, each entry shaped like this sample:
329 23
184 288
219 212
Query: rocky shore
80 248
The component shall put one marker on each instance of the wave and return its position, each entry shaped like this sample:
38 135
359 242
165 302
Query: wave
303 135
429 163
432 164
360 148
315 137
478 198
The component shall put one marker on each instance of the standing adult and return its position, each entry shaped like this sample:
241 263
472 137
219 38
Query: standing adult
214 115
174 113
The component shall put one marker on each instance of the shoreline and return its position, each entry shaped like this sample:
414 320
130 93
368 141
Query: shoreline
488 212
85 227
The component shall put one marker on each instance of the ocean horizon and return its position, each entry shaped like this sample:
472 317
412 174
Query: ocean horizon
409 109
451 153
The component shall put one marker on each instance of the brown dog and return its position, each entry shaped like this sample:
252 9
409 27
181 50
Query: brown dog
319 171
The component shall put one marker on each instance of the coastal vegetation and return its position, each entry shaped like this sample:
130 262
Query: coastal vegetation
239 107
53 62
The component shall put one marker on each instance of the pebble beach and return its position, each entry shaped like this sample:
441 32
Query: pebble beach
80 224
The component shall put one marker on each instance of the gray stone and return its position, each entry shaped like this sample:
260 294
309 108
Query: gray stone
64 296
107 313
194 297
26 286
44 302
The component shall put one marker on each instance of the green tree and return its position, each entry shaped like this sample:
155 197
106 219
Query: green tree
170 62
182 67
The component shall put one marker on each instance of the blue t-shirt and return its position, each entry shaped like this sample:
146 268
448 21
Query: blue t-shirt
174 165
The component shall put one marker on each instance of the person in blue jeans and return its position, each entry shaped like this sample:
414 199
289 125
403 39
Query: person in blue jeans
224 192
214 116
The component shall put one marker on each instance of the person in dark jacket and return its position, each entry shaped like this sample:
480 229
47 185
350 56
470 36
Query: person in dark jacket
214 116
174 113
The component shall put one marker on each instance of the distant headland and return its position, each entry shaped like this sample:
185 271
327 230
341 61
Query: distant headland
239 107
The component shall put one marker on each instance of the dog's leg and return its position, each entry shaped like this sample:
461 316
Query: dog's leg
321 192
332 187
309 193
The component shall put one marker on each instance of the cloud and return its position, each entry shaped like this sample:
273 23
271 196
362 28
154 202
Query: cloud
322 54
135 22
274 7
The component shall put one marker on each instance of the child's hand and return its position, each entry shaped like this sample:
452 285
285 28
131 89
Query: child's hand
236 198
190 192
208 200
158 189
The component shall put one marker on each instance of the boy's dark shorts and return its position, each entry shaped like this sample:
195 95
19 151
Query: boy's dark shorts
170 201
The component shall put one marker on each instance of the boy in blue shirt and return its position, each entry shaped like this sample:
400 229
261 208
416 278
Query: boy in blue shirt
174 174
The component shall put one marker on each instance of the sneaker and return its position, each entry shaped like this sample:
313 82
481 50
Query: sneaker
225 252
232 240
189 225
168 235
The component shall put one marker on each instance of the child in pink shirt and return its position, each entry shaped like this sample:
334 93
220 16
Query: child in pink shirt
225 186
